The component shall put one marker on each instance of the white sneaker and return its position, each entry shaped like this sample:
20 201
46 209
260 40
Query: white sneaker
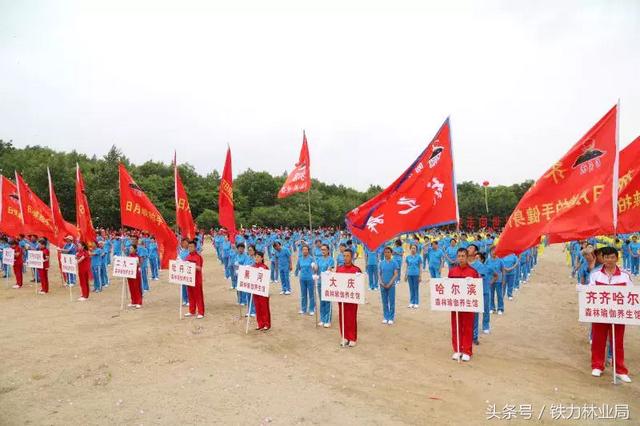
486 331
352 344
596 372
312 313
130 305
410 306
287 293
200 317
327 325
138 306
282 292
188 314
416 306
466 357
385 322
320 323
490 311
301 313
16 286
510 297
390 322
82 299
500 312
41 292
456 356
624 377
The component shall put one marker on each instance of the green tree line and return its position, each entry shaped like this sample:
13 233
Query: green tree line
255 192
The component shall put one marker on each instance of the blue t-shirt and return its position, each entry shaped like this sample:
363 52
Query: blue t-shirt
387 268
413 262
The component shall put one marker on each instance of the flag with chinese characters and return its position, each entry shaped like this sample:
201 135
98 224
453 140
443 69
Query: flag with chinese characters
10 216
299 180
36 215
226 215
63 228
575 199
423 196
629 189
137 211
83 214
184 218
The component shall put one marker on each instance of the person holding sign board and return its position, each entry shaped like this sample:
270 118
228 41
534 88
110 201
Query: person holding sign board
465 349
263 312
348 312
84 269
135 284
18 259
44 271
196 294
609 275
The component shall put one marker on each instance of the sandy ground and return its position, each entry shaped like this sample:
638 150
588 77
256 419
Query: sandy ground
74 363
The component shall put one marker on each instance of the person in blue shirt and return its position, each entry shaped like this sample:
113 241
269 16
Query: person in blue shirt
626 255
69 248
285 266
389 272
251 252
371 257
4 244
435 256
104 276
143 255
324 263
340 256
495 266
108 244
241 259
154 259
274 263
488 276
117 245
183 252
509 273
96 264
398 254
304 268
634 254
451 253
227 248
414 269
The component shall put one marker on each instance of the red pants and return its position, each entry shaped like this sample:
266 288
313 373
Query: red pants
83 278
350 321
466 332
135 291
196 299
263 313
44 279
599 333
17 269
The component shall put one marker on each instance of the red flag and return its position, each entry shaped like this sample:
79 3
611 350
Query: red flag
137 211
63 228
574 199
36 215
10 216
226 215
83 214
184 219
299 180
629 195
423 196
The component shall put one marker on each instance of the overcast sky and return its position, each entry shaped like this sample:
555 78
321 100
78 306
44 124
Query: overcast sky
370 81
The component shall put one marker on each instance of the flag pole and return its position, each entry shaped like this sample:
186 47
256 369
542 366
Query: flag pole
309 204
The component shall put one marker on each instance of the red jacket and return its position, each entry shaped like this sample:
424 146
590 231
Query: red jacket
466 272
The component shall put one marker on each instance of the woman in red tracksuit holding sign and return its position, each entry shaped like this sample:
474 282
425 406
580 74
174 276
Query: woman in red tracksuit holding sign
135 285
18 261
465 349
44 272
196 294
350 310
84 269
263 313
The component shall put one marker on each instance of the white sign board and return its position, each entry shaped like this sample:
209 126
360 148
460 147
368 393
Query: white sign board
183 273
125 267
253 280
8 256
69 264
35 259
609 304
456 294
340 287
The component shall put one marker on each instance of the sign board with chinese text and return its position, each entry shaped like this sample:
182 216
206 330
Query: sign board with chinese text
253 280
8 256
125 266
183 273
609 304
340 287
35 259
456 294
69 263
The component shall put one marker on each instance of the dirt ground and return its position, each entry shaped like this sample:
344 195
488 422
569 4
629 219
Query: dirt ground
85 363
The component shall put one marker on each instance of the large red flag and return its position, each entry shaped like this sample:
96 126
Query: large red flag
36 215
63 228
226 215
184 219
423 196
575 199
137 211
299 180
83 214
629 195
10 217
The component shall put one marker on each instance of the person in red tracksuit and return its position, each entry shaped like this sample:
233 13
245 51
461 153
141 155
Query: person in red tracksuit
18 261
465 349
84 269
196 295
611 275
43 273
263 313
350 334
135 288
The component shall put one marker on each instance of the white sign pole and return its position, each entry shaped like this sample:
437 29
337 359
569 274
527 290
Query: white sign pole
180 300
122 296
458 336
70 293
613 344
246 331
